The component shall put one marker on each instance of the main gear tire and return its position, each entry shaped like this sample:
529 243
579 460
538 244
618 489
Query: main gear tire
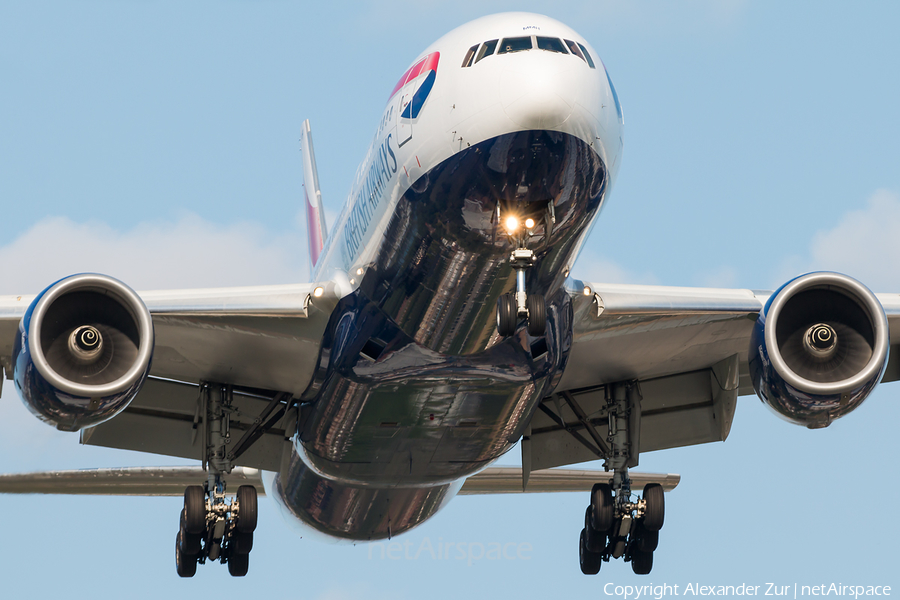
603 509
247 503
590 562
194 509
655 512
595 541
185 565
238 565
641 562
647 541
241 543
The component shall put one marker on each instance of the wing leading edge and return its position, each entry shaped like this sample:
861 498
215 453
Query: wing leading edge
261 336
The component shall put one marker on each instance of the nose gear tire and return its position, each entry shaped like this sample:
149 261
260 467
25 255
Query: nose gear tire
506 315
537 315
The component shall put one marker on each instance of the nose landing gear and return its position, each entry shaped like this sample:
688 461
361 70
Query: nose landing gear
521 305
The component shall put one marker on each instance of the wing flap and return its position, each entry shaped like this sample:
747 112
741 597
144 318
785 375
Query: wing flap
167 417
674 411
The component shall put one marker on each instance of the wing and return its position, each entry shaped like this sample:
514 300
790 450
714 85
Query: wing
687 347
263 339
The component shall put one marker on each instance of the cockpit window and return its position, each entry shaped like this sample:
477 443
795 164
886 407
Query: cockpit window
551 44
587 56
574 49
526 42
467 61
515 44
486 49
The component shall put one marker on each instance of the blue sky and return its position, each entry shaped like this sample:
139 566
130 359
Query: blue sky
158 142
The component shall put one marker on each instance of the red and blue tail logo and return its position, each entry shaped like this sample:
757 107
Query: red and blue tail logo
422 76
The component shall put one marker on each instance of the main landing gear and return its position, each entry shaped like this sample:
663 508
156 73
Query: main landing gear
614 529
211 527
615 524
521 305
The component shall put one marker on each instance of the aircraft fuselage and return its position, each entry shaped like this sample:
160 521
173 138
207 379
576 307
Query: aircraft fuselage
415 389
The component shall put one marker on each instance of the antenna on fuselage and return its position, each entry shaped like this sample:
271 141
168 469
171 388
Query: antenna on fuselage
315 212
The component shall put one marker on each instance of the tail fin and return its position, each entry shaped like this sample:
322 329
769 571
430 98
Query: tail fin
315 213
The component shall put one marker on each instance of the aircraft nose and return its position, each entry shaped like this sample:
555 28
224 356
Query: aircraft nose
539 98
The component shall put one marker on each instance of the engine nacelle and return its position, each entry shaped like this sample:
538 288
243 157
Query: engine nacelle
818 348
83 351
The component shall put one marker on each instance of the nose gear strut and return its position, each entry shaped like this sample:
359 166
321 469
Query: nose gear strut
521 305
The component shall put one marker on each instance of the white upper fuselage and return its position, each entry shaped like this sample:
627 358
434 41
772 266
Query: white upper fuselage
502 93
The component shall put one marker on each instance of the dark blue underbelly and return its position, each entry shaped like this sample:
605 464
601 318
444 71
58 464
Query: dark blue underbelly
415 390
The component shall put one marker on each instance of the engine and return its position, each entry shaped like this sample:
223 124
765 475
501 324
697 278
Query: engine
83 351
818 348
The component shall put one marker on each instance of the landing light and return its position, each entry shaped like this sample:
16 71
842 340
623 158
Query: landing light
529 223
512 223
318 292
587 291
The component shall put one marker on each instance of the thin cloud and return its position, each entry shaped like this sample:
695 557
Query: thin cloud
721 277
865 244
188 252
590 267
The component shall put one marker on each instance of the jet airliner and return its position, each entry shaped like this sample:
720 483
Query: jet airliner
442 325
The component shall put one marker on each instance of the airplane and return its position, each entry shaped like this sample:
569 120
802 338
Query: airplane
441 326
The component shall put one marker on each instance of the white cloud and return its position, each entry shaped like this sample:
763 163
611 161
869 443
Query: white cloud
865 244
188 252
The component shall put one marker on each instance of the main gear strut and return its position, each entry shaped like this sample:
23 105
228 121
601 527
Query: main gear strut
211 527
615 524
